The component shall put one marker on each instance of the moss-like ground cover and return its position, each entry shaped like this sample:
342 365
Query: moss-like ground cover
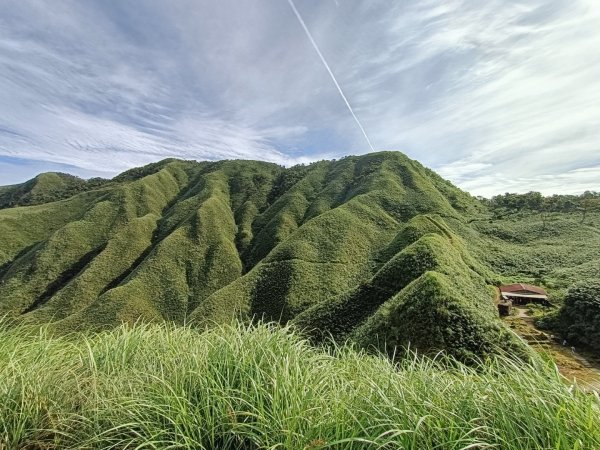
377 249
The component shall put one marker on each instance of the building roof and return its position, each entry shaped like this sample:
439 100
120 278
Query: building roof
520 287
507 295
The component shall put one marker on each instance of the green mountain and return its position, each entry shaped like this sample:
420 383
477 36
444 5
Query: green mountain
44 188
377 249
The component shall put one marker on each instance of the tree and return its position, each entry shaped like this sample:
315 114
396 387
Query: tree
533 200
579 317
588 201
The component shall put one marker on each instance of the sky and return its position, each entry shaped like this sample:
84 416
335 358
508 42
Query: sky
496 96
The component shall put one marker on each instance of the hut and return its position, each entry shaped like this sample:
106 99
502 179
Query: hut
522 294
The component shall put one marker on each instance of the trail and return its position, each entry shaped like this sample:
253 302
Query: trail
324 61
573 365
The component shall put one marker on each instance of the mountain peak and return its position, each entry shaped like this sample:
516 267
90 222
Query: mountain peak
337 245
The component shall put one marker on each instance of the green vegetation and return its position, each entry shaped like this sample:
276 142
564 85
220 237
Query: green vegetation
578 319
376 249
508 203
430 296
45 188
264 387
520 247
549 241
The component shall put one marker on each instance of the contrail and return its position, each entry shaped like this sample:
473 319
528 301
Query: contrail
314 44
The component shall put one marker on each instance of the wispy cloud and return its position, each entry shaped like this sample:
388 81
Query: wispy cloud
492 94
495 95
329 71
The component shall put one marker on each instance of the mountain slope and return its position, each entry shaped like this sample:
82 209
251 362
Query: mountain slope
44 188
348 247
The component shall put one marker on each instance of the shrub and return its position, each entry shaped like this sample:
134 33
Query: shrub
579 318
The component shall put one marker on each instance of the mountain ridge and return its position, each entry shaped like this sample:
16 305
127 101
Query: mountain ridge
343 247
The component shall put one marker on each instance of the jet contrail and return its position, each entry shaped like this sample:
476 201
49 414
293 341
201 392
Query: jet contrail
314 44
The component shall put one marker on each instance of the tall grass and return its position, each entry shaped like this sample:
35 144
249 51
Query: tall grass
264 387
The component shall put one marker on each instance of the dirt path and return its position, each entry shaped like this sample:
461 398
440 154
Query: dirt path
521 312
571 363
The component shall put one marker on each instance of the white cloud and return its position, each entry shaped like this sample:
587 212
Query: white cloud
494 95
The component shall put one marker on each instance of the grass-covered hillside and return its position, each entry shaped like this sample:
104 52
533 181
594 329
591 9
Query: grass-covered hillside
376 249
45 188
159 387
555 251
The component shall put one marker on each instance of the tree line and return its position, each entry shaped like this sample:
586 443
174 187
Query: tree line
532 201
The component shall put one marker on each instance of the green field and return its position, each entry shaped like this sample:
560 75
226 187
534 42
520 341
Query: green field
231 387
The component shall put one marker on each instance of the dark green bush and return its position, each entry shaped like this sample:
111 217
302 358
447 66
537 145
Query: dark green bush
579 318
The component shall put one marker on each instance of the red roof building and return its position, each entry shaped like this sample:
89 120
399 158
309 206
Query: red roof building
521 293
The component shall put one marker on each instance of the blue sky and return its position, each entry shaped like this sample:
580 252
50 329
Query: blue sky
496 96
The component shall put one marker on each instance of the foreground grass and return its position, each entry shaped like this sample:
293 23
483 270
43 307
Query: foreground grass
264 387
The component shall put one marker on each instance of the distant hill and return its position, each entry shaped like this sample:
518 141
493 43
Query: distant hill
377 249
45 188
